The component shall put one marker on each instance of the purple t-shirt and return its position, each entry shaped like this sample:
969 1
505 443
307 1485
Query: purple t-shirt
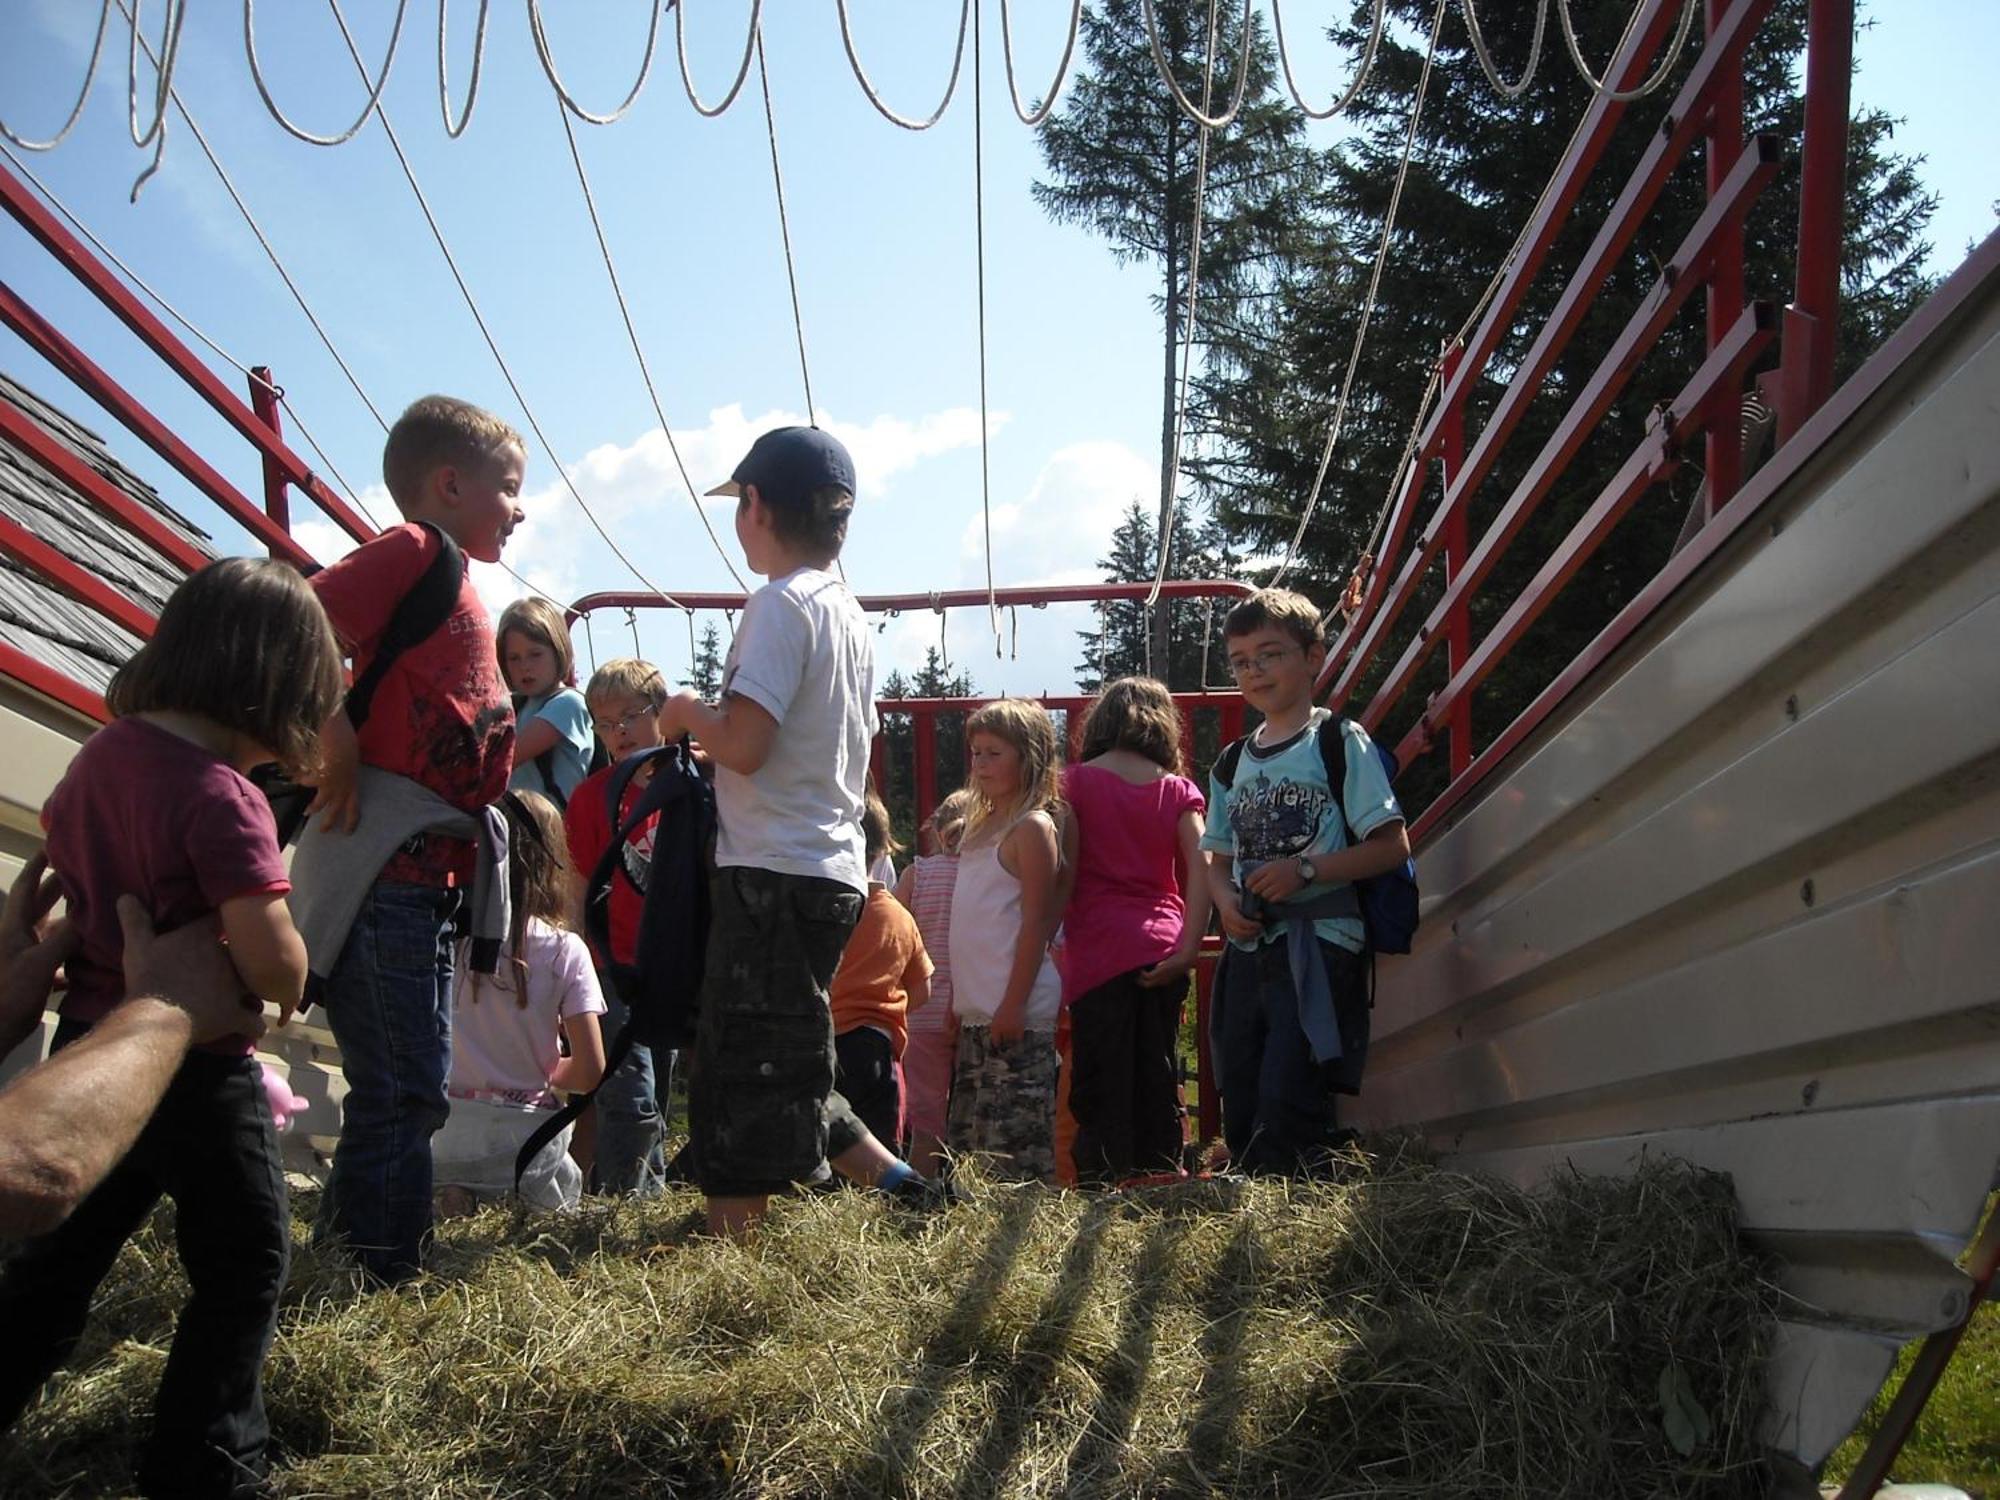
146 813
1126 911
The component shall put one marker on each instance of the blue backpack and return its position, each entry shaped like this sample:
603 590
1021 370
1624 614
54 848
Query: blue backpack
1388 901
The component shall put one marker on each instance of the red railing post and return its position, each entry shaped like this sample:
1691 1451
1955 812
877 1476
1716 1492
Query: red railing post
1457 540
923 737
1806 373
1724 446
264 396
1208 1102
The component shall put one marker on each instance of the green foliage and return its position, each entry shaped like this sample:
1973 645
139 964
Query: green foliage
899 785
705 672
1117 647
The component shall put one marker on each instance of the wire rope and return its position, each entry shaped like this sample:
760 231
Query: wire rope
784 223
638 352
82 94
1035 117
1361 71
979 269
1368 301
374 90
965 9
478 63
1519 87
492 345
548 62
1172 501
742 68
1602 85
1201 116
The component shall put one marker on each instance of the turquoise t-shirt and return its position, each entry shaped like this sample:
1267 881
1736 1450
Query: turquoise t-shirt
1280 807
565 709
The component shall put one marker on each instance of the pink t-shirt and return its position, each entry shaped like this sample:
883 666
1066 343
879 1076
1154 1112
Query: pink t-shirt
143 812
1126 910
503 1051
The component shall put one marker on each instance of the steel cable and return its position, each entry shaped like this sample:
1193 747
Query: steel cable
1519 87
1601 85
1361 71
868 88
478 63
1036 117
82 94
742 68
1201 116
548 62
374 89
784 225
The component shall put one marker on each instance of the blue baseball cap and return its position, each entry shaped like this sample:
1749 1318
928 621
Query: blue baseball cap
788 463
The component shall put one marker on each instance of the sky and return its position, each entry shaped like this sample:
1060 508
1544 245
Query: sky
882 227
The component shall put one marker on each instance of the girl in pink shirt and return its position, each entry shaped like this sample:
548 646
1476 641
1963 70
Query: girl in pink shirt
1131 931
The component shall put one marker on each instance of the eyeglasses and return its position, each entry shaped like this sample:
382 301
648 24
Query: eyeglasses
1261 663
620 725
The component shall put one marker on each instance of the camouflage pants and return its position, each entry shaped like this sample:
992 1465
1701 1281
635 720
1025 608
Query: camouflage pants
1003 1103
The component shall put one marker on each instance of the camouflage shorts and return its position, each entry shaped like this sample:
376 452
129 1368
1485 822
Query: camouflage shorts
1003 1103
762 1110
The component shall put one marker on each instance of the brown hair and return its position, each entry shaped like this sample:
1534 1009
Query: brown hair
948 820
540 880
1029 729
626 677
1277 609
242 642
1136 714
876 829
436 431
817 528
542 622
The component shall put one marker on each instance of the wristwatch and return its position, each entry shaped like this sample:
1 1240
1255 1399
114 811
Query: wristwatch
1307 875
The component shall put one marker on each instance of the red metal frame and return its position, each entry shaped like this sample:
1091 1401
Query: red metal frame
264 399
1025 597
41 678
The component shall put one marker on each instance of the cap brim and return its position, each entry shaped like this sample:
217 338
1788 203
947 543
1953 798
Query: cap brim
727 487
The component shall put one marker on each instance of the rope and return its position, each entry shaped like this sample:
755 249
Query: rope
590 641
1187 344
1368 302
742 68
374 90
979 266
1201 116
82 94
1519 87
784 222
632 620
1361 72
478 61
548 62
965 10
1035 117
465 291
169 55
639 353
1660 74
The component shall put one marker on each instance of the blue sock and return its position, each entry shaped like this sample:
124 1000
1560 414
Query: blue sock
895 1175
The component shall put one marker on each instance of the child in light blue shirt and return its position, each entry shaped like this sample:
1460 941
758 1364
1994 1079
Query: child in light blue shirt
552 735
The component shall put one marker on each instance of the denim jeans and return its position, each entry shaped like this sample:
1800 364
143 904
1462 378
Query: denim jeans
631 1135
210 1146
388 1002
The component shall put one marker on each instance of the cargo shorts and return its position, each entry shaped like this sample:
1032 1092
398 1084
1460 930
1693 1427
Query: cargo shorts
763 1113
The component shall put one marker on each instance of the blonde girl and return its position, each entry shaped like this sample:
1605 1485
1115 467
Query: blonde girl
508 1031
926 889
552 734
1004 910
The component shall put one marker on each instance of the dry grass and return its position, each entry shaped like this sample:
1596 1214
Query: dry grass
1408 1332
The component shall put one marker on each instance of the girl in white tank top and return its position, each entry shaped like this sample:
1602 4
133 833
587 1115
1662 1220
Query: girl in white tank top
1004 911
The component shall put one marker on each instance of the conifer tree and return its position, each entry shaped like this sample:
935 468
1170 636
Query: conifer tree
705 671
1117 647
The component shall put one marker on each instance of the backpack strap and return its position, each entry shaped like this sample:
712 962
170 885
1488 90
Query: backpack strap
545 766
1224 769
418 615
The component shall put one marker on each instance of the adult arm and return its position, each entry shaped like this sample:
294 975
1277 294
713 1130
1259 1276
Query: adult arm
66 1123
30 952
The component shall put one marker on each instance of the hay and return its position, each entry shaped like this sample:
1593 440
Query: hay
1409 1331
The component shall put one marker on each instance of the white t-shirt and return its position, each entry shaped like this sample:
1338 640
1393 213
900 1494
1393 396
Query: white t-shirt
804 654
503 1051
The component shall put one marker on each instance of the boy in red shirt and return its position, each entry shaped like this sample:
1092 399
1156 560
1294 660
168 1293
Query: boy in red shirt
440 720
624 695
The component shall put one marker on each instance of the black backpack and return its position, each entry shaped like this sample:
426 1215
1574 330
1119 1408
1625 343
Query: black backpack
662 984
1388 901
418 615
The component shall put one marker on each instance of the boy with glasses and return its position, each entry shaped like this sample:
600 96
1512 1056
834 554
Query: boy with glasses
1289 1024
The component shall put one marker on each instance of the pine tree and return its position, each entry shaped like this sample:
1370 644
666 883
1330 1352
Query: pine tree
1122 158
1117 647
705 671
899 791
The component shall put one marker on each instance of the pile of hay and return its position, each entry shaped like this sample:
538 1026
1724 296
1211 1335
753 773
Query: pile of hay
1409 1331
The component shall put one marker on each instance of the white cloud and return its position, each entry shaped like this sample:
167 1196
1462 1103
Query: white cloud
1056 532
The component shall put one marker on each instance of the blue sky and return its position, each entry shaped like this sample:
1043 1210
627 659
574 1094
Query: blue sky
882 225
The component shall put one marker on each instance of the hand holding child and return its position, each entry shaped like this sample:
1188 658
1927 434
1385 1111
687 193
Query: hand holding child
189 968
31 950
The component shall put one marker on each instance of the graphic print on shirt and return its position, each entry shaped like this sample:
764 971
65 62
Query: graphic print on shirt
637 856
1275 819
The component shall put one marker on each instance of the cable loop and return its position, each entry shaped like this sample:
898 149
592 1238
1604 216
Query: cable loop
1361 72
1201 116
374 90
548 62
868 88
478 62
1519 87
155 135
1035 117
82 94
742 68
1600 85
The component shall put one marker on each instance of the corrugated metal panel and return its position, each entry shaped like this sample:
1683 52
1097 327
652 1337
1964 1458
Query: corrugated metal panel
1743 904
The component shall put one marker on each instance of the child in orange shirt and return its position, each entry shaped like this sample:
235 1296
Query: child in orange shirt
884 974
